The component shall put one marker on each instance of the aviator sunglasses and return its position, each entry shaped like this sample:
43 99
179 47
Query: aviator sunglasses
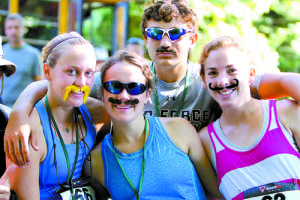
116 87
173 33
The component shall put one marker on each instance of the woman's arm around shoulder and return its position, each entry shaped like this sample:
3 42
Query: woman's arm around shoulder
98 112
25 181
289 115
18 132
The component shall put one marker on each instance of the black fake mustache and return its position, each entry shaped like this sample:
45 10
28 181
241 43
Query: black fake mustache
165 49
128 102
227 87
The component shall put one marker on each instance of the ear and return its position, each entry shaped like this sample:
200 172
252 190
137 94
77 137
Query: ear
148 94
46 69
193 39
252 75
23 30
101 92
203 76
145 40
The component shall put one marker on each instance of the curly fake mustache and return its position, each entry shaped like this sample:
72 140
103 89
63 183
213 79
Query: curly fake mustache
128 102
226 87
72 88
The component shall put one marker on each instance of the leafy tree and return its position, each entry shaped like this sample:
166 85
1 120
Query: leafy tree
272 27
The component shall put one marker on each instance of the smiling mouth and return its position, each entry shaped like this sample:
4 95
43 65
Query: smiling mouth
122 106
80 92
166 53
226 92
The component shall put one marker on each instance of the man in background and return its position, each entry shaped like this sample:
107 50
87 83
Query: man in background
136 45
26 57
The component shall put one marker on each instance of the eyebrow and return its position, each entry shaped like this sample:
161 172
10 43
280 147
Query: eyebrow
214 68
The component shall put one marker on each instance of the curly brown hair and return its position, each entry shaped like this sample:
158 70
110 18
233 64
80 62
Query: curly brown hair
167 10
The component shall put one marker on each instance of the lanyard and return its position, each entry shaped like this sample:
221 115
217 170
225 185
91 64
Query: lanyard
69 178
156 102
137 193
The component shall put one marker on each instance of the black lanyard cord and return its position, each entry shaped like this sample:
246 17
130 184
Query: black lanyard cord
69 177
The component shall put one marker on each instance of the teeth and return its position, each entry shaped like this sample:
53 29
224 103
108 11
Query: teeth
118 106
77 92
225 92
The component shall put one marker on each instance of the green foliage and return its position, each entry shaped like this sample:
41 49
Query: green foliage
98 27
272 27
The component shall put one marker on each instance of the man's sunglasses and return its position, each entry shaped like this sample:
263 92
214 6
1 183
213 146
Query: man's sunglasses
173 33
116 87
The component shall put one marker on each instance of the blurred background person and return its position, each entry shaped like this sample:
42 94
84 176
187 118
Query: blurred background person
101 56
26 57
136 45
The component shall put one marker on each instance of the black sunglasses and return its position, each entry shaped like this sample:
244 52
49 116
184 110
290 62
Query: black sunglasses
116 87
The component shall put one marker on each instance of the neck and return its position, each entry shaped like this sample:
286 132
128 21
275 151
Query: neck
62 114
171 74
129 132
17 43
242 113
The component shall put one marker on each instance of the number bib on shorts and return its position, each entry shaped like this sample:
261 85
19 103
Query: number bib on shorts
273 191
82 193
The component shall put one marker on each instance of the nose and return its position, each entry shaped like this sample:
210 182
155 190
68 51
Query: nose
223 80
123 96
80 80
165 40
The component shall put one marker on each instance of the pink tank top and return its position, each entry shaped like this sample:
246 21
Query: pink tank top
270 169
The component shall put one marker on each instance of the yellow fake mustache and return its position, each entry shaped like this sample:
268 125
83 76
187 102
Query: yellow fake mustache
72 88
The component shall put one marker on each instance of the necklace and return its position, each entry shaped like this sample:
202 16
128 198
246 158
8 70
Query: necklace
69 177
67 130
137 193
156 101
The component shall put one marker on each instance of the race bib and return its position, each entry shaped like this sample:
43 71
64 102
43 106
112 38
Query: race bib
80 193
273 191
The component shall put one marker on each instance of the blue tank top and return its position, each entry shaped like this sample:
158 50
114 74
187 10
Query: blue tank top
169 173
47 174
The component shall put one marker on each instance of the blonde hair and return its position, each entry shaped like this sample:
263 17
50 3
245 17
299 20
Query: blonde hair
55 48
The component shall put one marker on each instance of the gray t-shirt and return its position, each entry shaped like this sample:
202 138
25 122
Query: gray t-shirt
199 107
29 64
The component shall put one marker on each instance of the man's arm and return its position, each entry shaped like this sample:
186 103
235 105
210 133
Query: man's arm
18 130
278 85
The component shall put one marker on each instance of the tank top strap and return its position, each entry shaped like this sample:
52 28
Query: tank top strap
273 117
90 126
45 121
215 140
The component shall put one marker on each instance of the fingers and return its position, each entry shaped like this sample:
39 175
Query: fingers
17 147
5 177
9 151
